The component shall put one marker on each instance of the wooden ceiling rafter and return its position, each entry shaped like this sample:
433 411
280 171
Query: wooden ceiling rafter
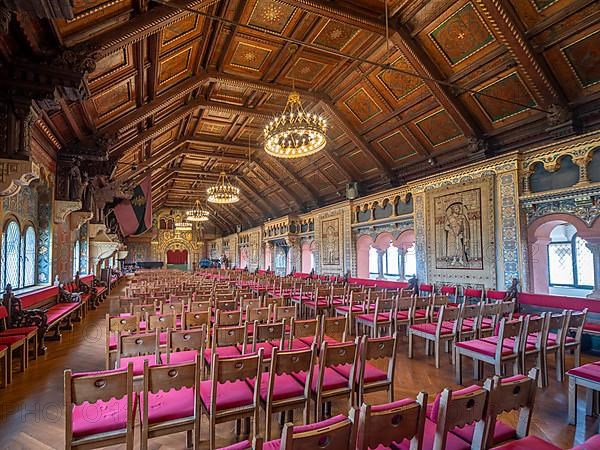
534 69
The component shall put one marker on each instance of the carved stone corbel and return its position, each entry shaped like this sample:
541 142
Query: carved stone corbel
94 229
16 173
78 218
62 208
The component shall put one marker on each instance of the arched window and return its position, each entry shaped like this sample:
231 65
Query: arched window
570 262
76 257
410 261
11 255
29 252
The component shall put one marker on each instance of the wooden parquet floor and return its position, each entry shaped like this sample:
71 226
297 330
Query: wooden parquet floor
31 408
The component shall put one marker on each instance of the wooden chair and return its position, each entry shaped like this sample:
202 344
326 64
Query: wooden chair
257 314
420 310
282 392
226 304
267 336
468 322
184 345
588 377
107 398
198 306
336 433
227 342
388 425
303 334
491 351
196 319
553 339
228 318
401 314
533 341
137 348
114 326
489 317
319 304
171 401
5 365
453 410
356 305
227 396
328 383
507 394
331 328
436 333
370 378
576 322
380 317
284 312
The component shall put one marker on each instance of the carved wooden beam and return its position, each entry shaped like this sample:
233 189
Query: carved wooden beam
286 192
417 57
46 9
505 23
357 139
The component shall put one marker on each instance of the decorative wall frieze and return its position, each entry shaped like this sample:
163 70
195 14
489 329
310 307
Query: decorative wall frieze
62 208
15 174
582 202
78 218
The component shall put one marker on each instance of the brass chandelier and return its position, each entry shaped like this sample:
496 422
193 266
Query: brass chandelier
223 192
197 213
183 226
295 133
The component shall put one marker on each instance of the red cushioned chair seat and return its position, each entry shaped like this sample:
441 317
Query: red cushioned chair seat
331 380
229 395
592 443
430 328
568 339
12 341
346 308
223 352
370 318
266 346
453 442
372 373
18 331
171 405
138 363
244 445
100 417
179 357
402 315
297 344
276 444
486 322
420 313
285 386
319 304
482 347
528 443
587 371
502 432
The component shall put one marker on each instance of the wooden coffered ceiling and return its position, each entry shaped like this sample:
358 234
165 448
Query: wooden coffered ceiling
183 96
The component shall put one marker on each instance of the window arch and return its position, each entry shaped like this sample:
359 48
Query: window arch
11 255
76 257
29 255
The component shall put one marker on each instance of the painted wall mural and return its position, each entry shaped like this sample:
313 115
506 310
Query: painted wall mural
457 222
460 232
330 253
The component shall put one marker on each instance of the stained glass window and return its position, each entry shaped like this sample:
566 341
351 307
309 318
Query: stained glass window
29 257
76 258
12 255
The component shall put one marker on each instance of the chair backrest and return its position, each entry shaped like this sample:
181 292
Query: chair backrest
162 322
228 318
458 409
273 301
172 308
284 312
556 323
226 305
92 387
227 336
384 305
516 393
163 378
137 344
510 329
359 297
182 340
199 306
439 300
128 324
576 323
305 328
507 309
392 422
491 311
196 319
241 368
268 332
336 433
258 314
534 325
403 303
334 326
336 355
448 314
143 310
373 349
249 302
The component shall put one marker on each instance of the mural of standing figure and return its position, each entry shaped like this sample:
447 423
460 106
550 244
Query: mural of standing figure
457 235
75 182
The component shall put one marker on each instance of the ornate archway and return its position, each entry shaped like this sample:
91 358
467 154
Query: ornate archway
177 245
